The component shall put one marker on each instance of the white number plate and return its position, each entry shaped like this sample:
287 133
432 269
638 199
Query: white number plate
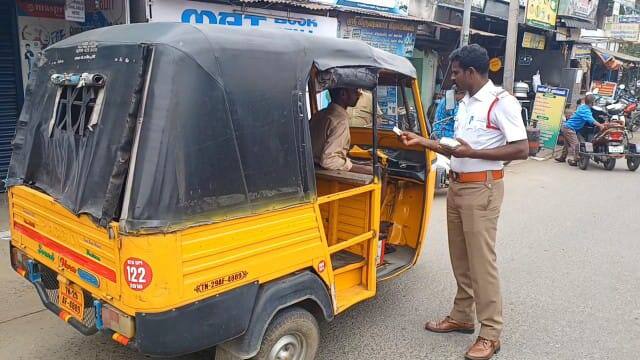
616 149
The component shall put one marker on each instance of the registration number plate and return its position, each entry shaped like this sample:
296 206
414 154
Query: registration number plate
616 149
71 299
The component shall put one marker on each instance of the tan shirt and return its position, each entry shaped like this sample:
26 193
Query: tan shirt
360 115
330 138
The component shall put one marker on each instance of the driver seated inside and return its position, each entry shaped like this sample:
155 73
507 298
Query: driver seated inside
330 137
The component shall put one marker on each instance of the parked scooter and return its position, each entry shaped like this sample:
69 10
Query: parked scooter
607 146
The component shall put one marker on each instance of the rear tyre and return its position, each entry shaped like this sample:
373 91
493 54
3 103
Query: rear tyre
610 164
633 163
583 162
292 334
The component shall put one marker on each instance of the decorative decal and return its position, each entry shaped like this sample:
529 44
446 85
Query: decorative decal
89 278
138 274
64 263
48 255
92 255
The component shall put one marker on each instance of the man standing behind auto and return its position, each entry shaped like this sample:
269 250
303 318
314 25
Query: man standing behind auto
443 126
571 127
490 130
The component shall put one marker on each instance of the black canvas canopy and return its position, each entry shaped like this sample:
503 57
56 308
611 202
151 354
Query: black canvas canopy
191 125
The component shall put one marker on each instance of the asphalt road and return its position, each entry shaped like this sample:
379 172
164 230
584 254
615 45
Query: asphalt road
569 256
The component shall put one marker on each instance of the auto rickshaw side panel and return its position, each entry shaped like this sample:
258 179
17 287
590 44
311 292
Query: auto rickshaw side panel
201 262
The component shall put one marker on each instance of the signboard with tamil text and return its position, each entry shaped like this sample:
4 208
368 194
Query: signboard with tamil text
398 7
548 109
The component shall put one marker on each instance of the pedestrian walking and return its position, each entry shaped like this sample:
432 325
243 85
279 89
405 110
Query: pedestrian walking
490 130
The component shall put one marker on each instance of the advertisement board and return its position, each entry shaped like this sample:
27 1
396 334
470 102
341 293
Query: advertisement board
624 31
542 13
398 7
394 37
583 9
548 109
533 41
42 24
195 12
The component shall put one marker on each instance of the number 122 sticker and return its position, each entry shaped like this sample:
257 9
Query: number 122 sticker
137 273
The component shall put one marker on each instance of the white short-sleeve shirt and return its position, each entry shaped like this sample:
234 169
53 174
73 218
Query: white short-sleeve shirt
471 126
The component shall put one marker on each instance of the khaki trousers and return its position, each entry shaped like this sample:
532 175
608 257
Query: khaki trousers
472 221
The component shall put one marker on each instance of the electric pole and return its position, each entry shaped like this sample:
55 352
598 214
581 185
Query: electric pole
511 45
466 22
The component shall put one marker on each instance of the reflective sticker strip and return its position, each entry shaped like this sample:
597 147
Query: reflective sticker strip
97 268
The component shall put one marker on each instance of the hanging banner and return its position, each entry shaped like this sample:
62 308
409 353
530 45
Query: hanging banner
548 109
542 13
392 36
398 7
74 10
533 41
194 12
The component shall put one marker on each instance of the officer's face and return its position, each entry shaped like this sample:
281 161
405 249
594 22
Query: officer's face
460 76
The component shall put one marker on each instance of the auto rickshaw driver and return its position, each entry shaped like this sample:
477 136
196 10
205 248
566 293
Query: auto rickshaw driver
330 138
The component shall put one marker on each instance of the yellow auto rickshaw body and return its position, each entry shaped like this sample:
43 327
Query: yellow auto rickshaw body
149 289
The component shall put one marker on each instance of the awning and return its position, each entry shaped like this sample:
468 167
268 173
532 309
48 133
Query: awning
578 24
613 60
471 31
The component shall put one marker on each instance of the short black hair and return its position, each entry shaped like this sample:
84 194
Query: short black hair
472 56
335 93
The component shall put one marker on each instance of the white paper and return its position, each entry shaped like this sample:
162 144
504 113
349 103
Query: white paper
579 76
74 10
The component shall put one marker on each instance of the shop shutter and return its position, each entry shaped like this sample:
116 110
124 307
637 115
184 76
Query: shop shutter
9 92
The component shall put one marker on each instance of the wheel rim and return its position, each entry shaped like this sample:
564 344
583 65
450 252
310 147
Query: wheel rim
288 347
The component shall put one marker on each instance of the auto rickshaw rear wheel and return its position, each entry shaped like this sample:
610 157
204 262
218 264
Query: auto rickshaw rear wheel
633 163
610 163
293 334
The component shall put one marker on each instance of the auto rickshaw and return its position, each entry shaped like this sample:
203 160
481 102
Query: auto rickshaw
162 188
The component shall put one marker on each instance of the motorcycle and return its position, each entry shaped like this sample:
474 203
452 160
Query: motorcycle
608 145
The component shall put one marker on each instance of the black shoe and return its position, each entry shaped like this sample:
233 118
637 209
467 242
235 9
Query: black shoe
559 160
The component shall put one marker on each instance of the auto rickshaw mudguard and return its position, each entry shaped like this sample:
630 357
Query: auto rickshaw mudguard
196 326
273 297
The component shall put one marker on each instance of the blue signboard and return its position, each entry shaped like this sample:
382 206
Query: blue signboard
398 7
